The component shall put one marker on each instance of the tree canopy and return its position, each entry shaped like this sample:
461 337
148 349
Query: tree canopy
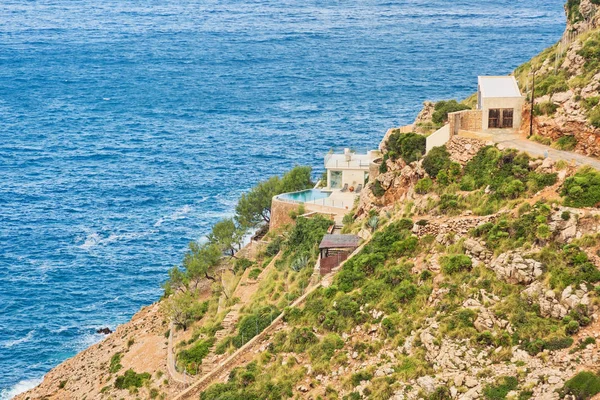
254 207
226 236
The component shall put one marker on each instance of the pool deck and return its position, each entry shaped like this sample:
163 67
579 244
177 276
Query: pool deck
338 199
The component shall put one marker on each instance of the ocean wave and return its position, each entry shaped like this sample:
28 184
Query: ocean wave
178 214
95 239
20 387
7 344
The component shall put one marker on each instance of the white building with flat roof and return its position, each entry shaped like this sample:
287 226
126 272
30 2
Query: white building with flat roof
348 171
500 102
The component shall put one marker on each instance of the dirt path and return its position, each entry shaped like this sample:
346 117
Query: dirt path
516 141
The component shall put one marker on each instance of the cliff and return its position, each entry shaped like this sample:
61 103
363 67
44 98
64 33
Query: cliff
567 84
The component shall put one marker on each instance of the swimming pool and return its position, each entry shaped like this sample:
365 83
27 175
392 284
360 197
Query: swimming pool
304 196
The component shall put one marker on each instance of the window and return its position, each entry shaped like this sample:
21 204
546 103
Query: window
494 118
507 118
335 179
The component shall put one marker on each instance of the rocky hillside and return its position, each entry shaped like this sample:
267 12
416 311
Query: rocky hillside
567 83
477 279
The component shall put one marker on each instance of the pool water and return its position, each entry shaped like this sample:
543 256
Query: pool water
305 196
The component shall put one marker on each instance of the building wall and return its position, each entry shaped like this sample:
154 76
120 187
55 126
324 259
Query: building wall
516 103
438 138
467 120
280 212
352 177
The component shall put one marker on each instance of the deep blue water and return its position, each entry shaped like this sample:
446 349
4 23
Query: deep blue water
127 128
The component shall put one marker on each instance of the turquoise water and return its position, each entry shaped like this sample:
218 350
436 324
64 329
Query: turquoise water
305 195
127 128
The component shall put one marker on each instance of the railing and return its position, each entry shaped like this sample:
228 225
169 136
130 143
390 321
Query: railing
346 164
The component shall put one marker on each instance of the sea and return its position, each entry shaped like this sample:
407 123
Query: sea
128 128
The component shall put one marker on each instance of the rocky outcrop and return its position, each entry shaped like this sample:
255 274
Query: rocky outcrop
557 306
424 118
514 268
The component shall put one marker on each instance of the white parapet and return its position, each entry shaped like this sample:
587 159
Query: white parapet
438 138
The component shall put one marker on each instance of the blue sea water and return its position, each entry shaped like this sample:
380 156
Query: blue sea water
127 128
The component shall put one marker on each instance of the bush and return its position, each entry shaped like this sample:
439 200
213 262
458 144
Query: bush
254 273
408 146
594 117
582 189
377 189
567 143
584 385
192 357
115 363
545 108
542 139
131 379
456 263
436 160
443 108
501 388
424 185
572 328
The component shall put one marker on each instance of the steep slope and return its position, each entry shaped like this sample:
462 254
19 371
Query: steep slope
567 83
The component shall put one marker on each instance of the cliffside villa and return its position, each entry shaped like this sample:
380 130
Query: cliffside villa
347 175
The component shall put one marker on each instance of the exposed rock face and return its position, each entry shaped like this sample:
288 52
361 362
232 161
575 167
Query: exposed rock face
398 182
553 305
514 268
462 150
424 117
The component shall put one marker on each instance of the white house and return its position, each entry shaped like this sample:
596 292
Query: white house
348 171
500 102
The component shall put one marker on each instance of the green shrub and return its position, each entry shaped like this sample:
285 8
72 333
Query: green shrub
572 328
192 357
252 324
441 393
360 376
565 215
131 379
567 143
408 146
500 389
545 108
241 264
424 185
436 160
541 139
377 189
584 385
594 117
254 273
552 83
274 246
582 189
443 108
456 263
115 363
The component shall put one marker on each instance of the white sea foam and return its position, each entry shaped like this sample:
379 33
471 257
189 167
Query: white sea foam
178 214
19 388
91 240
7 344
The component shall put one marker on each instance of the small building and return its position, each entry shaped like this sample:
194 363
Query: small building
334 249
500 102
499 106
348 171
